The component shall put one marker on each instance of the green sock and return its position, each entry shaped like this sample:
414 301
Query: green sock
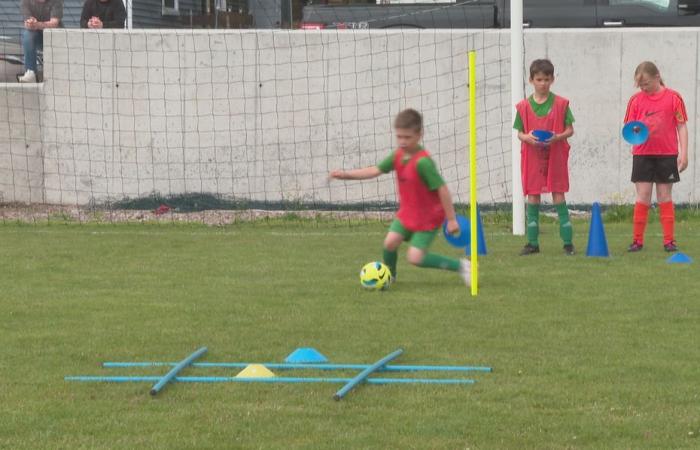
390 259
566 231
533 224
435 261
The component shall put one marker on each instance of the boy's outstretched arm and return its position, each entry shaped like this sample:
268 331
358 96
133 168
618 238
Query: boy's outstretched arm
446 201
356 174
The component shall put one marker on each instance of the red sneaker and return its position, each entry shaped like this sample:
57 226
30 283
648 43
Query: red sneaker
635 246
671 246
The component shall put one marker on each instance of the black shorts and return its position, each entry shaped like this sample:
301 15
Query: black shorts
655 169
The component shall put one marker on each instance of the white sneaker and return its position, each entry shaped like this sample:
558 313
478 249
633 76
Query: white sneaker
28 77
465 271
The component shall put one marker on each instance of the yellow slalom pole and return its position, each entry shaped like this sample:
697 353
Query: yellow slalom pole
472 173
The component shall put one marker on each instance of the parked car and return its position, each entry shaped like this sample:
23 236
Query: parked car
496 14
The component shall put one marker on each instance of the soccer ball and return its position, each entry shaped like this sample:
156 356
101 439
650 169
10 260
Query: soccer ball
375 276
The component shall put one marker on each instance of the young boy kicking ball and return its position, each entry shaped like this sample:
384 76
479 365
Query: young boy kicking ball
424 199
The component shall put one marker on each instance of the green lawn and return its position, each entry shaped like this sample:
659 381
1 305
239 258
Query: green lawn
587 353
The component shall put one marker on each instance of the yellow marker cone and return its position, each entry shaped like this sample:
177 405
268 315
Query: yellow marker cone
255 371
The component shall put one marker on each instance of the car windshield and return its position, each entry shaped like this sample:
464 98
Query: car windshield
661 5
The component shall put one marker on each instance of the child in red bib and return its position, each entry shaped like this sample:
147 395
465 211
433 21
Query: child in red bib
658 160
424 199
544 162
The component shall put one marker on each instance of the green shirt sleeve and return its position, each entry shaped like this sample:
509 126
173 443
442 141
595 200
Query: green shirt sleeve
429 174
387 164
569 119
518 124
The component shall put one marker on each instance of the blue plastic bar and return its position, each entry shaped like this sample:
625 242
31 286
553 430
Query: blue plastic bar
142 379
314 366
175 370
362 376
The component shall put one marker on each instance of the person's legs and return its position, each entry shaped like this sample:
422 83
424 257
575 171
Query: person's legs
565 229
643 169
418 253
533 225
666 173
391 245
30 42
422 258
641 212
667 214
533 220
396 235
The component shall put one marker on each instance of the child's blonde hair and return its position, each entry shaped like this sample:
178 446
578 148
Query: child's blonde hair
647 68
409 119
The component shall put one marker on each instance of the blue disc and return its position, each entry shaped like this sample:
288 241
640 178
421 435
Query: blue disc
636 133
679 258
461 239
543 135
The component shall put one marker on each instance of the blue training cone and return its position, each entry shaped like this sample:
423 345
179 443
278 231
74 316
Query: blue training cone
635 133
597 243
679 258
481 241
305 355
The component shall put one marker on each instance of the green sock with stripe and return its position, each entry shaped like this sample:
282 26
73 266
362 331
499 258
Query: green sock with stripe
566 231
390 259
533 224
435 261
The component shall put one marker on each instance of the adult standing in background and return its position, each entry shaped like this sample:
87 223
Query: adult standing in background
103 14
38 16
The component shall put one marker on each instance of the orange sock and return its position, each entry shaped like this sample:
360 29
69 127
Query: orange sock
667 217
641 213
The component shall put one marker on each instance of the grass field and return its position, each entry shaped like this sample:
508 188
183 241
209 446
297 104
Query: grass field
587 353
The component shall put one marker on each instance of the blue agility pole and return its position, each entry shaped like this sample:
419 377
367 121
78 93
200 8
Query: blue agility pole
142 379
313 366
362 376
175 370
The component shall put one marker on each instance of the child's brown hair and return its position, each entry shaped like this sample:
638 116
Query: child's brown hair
543 66
647 68
409 119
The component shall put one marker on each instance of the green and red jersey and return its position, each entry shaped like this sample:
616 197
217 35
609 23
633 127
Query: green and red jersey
541 110
544 169
418 180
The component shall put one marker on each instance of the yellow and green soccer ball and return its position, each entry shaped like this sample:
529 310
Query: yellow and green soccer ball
375 276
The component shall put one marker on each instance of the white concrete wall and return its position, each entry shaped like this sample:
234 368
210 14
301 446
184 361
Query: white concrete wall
264 115
21 162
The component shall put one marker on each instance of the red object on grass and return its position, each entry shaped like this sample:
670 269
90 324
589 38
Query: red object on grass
162 209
